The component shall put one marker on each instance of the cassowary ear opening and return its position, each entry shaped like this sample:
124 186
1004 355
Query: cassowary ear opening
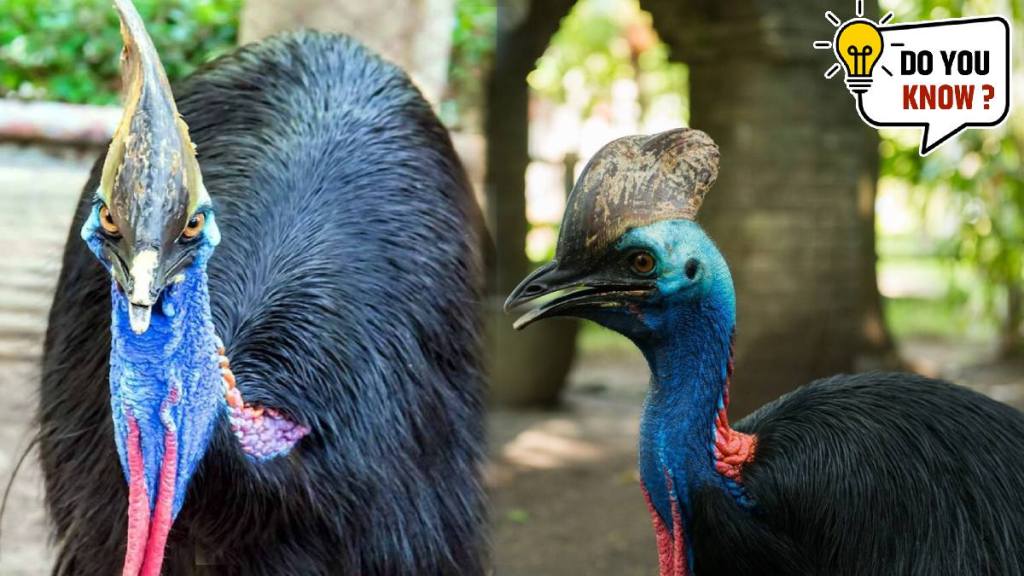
633 182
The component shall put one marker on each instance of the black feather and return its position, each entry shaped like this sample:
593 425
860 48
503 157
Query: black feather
873 474
346 291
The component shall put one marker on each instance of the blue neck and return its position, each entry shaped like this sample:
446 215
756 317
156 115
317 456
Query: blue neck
176 356
688 353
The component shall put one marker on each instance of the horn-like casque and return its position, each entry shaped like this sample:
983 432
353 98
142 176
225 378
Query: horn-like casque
151 154
632 182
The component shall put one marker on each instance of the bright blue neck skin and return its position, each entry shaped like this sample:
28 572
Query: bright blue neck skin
685 333
178 352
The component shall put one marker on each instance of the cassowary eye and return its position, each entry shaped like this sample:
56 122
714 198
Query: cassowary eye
107 223
691 269
194 226
642 263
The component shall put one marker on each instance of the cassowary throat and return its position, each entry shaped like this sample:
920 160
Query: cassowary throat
631 258
153 227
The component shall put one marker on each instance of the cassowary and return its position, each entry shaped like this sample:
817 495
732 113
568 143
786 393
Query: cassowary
851 475
321 234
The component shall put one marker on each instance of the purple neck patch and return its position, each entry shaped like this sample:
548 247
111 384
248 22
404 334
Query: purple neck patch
264 433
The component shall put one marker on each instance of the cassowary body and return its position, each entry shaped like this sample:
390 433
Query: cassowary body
854 475
344 288
873 474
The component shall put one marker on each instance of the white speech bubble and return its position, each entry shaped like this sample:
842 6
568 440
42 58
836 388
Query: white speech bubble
944 76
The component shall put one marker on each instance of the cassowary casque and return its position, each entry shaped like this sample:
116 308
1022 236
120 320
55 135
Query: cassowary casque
853 475
306 216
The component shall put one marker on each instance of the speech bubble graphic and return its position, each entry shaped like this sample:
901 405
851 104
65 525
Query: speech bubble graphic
943 76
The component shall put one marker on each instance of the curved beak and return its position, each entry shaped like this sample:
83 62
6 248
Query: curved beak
575 293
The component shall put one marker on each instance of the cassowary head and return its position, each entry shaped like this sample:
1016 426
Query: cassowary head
152 214
629 253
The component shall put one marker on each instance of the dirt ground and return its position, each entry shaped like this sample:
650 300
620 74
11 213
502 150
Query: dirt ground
565 496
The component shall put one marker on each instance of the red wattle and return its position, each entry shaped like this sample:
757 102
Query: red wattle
162 517
138 503
681 566
672 560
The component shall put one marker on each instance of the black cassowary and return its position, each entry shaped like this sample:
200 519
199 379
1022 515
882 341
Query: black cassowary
344 287
853 475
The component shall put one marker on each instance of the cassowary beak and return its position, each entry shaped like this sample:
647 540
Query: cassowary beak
579 293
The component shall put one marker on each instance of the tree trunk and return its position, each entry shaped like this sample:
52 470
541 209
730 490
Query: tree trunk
526 368
793 209
415 34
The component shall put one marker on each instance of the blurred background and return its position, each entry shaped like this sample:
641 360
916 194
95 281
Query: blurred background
849 251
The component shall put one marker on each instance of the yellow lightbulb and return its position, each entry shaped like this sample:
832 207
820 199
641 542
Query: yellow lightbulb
858 44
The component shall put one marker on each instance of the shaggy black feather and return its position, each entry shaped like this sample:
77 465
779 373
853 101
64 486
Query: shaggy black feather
873 474
346 291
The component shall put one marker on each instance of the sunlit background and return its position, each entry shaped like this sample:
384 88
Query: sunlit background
949 234
950 227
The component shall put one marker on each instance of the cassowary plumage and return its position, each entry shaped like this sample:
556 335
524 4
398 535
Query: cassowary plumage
852 475
327 236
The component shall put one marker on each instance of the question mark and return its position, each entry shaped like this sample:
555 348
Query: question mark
990 91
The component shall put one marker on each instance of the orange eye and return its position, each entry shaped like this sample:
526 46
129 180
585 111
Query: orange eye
642 263
107 222
194 226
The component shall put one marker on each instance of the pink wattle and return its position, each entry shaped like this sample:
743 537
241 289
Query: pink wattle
672 560
147 537
733 449
162 520
138 503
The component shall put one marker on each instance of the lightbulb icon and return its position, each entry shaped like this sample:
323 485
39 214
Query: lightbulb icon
858 44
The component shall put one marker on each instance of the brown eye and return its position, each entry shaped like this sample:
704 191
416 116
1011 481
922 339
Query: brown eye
642 263
194 226
107 222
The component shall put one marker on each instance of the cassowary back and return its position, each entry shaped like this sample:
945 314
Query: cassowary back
875 474
345 290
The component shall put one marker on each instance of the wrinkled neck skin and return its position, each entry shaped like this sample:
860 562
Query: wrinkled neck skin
166 380
688 347
166 393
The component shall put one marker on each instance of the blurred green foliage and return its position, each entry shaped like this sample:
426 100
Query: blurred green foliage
975 184
473 37
69 50
601 42
604 53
